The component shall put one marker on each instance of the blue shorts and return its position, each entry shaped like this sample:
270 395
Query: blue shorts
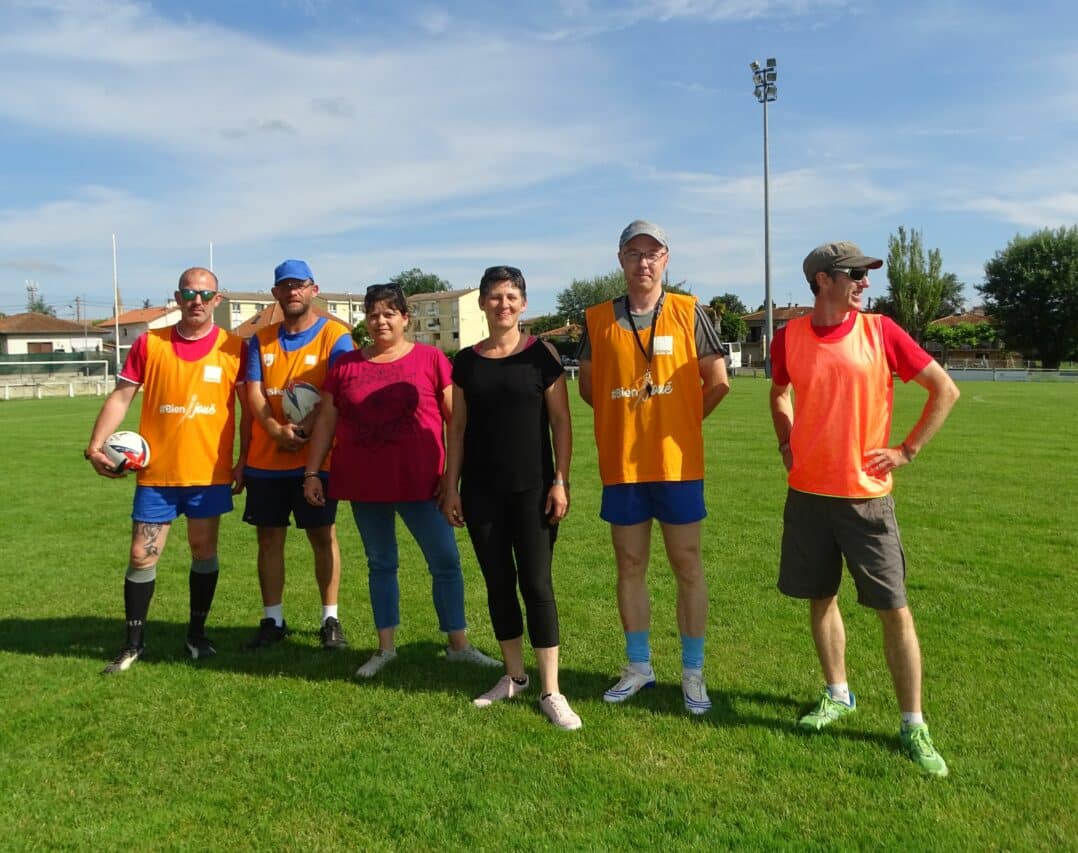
670 503
161 504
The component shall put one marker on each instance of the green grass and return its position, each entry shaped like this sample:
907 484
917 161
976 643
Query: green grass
284 750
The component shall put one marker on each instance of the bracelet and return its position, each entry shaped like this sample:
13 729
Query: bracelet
561 483
308 474
784 447
909 454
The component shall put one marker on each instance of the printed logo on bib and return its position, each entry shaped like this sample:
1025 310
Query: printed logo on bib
664 345
267 358
310 359
211 373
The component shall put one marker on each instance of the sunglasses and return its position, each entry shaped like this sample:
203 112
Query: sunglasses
374 288
293 284
510 270
189 294
855 274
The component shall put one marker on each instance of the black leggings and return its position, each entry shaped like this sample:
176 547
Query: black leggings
501 527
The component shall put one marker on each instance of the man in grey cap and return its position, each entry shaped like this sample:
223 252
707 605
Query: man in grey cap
839 364
652 368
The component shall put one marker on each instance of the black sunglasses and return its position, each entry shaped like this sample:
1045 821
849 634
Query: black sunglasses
189 294
390 286
855 274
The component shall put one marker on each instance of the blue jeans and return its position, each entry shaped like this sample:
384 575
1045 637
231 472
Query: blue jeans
376 523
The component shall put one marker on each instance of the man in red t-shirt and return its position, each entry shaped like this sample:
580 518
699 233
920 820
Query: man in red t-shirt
839 364
188 375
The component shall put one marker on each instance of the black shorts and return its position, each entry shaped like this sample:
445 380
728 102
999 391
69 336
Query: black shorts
819 531
272 500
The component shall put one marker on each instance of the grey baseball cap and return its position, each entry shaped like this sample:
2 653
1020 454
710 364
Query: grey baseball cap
638 227
841 254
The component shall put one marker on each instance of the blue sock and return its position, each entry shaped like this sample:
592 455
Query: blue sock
638 646
692 652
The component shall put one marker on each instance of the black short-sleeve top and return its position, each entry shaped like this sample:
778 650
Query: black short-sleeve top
507 438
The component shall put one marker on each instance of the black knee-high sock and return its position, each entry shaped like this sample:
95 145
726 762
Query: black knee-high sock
138 591
202 583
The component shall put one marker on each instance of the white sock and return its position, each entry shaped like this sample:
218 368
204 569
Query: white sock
329 611
840 692
644 668
909 718
276 613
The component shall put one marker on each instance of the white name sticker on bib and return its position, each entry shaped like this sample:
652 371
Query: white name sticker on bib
211 373
664 345
310 359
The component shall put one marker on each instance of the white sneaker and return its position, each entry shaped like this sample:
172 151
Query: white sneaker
630 683
695 693
375 665
470 654
505 688
557 710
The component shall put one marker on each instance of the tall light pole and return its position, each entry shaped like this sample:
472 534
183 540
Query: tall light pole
766 91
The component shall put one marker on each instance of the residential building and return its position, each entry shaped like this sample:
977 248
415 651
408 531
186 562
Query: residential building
131 324
274 314
752 347
448 320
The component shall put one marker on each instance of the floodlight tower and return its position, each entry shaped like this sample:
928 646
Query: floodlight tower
766 91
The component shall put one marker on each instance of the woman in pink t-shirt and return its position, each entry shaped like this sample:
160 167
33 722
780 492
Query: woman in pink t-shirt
383 411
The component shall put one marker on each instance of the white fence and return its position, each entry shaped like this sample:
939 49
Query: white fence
60 379
1011 374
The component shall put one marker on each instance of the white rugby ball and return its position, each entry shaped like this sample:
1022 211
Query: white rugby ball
127 451
299 400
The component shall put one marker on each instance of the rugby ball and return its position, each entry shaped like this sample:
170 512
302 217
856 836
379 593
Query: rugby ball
127 451
299 400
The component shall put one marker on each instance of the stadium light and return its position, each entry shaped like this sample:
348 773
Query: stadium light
765 89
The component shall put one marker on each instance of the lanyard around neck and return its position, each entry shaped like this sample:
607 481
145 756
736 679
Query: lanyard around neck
650 351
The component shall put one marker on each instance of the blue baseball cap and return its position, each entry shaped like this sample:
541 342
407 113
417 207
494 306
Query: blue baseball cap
292 269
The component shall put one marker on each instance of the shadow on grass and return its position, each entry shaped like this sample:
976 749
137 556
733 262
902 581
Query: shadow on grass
419 667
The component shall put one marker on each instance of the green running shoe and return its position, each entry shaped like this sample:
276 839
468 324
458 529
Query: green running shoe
917 744
826 712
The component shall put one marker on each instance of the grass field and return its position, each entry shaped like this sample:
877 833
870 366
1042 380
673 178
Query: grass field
285 750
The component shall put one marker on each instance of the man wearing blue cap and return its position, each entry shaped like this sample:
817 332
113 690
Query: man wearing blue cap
299 348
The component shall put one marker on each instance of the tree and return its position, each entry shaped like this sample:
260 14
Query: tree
951 299
915 286
417 281
37 305
583 293
732 304
728 310
545 323
1031 289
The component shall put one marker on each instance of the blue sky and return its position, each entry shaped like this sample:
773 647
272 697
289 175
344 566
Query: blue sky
373 137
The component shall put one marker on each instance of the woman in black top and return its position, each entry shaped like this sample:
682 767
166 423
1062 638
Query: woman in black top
509 397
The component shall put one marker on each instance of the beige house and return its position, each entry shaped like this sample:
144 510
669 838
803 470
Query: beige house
448 320
238 307
26 334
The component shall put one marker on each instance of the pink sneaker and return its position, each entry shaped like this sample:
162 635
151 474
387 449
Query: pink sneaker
505 688
557 710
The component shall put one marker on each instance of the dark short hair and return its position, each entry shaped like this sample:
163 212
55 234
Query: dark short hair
496 275
391 292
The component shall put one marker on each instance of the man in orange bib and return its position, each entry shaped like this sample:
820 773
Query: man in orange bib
300 348
652 368
839 364
188 375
